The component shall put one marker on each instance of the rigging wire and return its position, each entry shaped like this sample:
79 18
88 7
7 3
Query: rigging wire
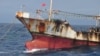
70 14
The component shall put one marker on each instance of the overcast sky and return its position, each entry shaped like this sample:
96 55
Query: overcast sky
8 8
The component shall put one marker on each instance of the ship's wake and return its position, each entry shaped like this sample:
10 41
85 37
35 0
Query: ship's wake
35 50
80 51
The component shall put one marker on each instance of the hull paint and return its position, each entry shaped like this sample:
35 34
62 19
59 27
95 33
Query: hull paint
45 42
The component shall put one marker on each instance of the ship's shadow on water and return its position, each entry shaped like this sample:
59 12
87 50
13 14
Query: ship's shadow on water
82 49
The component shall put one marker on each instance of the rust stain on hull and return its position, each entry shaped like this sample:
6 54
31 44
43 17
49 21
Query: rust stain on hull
57 34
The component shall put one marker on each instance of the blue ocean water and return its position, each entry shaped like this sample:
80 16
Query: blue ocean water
12 43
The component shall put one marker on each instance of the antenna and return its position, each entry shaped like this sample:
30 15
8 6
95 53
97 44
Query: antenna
50 11
22 7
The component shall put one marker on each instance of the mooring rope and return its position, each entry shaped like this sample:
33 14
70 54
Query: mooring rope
8 30
4 26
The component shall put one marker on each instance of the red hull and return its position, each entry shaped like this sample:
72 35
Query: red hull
41 41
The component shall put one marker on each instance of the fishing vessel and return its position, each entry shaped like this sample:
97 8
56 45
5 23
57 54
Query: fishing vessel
56 34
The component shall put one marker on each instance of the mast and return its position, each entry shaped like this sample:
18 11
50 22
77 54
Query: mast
98 21
50 11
